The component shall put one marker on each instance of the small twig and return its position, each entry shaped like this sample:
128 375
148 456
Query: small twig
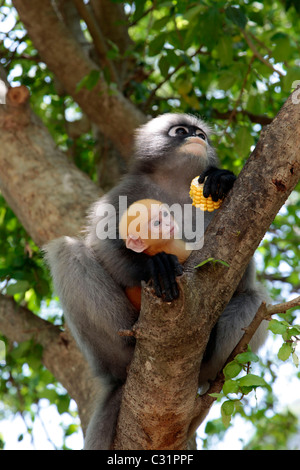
126 333
98 38
264 312
167 78
146 12
269 51
236 104
258 55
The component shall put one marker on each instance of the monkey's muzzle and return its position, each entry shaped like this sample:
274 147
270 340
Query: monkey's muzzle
195 145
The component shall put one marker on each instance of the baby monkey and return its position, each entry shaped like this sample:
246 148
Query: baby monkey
149 227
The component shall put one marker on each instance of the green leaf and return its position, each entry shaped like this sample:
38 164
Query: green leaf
159 24
211 22
19 287
294 331
226 80
49 394
277 327
236 15
63 404
228 407
71 429
212 260
89 81
246 390
243 141
283 49
295 359
246 357
227 410
230 386
21 351
164 65
285 351
224 50
252 380
208 260
193 13
216 395
293 74
255 104
221 262
232 369
157 44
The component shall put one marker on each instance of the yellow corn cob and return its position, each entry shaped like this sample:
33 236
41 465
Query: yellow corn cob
204 203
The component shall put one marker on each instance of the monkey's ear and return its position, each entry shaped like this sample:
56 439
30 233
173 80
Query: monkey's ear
135 243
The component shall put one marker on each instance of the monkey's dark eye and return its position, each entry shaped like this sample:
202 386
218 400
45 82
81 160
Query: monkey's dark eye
165 213
200 133
156 223
178 131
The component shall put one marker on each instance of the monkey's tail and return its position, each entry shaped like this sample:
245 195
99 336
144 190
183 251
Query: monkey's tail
95 307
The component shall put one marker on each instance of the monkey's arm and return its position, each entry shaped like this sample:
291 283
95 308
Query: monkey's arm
129 269
163 269
217 182
95 307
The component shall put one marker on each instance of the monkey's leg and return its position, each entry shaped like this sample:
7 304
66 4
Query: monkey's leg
95 308
101 429
229 329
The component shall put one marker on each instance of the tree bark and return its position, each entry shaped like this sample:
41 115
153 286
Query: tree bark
48 194
115 116
32 179
159 399
60 353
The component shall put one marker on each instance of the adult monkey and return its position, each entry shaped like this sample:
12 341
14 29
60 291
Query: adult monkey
90 275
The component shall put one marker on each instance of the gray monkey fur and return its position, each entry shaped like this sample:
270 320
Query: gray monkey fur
89 274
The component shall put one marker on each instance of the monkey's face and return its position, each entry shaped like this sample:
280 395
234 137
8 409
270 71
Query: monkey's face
189 140
171 135
161 225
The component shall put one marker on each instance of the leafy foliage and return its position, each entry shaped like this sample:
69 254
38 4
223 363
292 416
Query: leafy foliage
234 63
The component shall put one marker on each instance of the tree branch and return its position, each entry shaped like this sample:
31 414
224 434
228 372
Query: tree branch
60 353
99 41
204 402
256 118
151 97
115 116
113 22
38 182
171 339
258 55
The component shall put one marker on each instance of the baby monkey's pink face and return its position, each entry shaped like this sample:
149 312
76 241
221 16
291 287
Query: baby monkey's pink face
147 223
161 225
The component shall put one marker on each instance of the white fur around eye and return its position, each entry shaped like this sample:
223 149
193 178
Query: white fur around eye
173 131
200 133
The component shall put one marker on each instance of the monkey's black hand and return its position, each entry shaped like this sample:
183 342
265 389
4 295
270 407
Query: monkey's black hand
217 183
163 269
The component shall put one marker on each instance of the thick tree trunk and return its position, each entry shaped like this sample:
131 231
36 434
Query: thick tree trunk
60 353
159 400
115 116
48 194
